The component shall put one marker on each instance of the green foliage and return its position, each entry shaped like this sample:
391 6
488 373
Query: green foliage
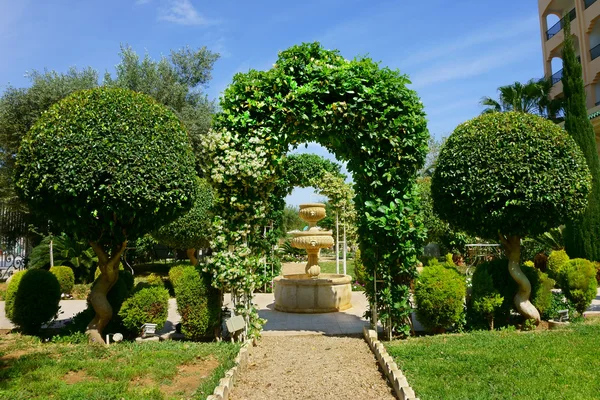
439 294
558 303
144 248
138 176
439 231
513 172
11 293
155 280
506 287
291 220
65 277
582 235
556 262
149 305
191 230
541 287
66 250
198 303
486 300
175 273
19 110
577 279
367 116
174 81
359 269
32 299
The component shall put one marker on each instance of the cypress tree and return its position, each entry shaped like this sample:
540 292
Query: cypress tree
582 236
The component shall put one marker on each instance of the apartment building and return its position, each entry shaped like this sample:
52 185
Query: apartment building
585 28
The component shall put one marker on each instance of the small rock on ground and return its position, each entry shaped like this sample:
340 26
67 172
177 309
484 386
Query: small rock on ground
311 367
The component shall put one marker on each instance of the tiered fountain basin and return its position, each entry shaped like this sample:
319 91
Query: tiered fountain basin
312 292
299 293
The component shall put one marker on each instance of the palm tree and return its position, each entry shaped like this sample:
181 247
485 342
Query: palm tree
533 97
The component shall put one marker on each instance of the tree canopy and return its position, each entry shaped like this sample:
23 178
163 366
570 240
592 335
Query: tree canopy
512 172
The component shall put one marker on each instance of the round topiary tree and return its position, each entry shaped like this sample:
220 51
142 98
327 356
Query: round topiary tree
510 175
107 165
191 230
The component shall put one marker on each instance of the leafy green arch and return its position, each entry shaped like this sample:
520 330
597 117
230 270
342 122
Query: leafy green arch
366 116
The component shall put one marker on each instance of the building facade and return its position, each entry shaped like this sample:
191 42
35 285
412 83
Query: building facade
585 28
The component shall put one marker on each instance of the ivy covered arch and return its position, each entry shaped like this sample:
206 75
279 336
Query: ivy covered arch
362 113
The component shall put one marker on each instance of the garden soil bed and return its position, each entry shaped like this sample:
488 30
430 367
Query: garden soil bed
311 367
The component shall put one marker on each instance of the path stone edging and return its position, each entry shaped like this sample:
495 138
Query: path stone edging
394 375
225 386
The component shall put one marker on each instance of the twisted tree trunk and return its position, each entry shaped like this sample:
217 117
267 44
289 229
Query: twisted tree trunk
109 274
191 253
512 249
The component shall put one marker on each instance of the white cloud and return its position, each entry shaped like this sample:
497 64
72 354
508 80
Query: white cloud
183 12
471 67
497 34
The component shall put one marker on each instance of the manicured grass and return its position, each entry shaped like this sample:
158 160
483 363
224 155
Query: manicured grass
559 364
30 369
328 267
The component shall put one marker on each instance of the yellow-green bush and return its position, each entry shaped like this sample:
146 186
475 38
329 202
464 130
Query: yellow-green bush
176 272
556 260
149 305
65 277
155 280
577 280
359 269
439 293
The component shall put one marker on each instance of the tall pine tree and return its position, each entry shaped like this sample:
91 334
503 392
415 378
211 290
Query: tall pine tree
582 237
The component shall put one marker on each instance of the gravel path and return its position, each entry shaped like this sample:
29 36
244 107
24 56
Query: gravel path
311 367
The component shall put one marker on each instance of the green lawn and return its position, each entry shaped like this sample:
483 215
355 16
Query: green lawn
30 369
504 365
328 267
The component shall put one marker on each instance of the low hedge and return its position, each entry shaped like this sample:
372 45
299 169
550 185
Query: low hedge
577 280
198 303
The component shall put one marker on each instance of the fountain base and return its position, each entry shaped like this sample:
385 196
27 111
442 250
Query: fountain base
301 293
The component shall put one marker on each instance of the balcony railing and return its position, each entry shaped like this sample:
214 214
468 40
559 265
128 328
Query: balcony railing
556 77
595 52
559 25
588 2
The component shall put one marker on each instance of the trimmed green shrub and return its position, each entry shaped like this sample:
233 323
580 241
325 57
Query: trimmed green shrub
486 300
439 294
32 299
558 302
155 280
127 278
11 293
198 303
556 261
175 273
66 278
149 305
577 280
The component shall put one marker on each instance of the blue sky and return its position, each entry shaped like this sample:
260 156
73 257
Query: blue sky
454 52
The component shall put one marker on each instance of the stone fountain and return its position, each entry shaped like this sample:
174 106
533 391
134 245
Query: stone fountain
312 292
